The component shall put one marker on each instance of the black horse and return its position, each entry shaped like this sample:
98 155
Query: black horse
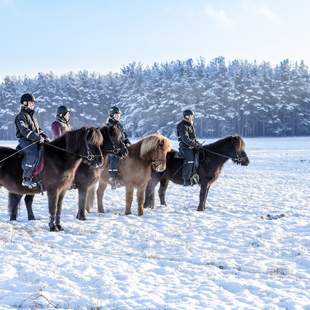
211 160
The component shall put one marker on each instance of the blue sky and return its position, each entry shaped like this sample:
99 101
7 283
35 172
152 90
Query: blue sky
101 36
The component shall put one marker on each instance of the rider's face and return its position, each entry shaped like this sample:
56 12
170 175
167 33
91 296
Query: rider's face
117 116
66 116
31 105
191 118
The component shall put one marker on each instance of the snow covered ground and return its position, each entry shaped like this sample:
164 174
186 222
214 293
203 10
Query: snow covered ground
240 253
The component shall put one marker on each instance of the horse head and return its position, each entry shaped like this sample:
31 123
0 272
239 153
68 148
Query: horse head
238 154
86 143
154 148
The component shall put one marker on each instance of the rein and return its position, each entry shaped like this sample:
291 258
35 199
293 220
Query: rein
4 159
87 157
237 159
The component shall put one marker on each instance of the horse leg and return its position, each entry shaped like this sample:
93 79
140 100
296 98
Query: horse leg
149 194
100 193
52 207
129 198
140 199
207 192
28 201
14 200
202 196
82 203
162 191
90 199
59 209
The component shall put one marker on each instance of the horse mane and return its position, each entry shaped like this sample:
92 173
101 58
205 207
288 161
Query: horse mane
151 142
76 136
94 136
235 139
144 147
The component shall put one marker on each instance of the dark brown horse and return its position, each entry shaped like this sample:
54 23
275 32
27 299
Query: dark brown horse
135 169
87 177
62 158
211 161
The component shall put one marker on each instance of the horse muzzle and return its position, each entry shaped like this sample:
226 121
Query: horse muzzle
159 165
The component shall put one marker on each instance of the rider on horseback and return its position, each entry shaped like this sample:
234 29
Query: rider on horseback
187 145
114 119
61 124
29 134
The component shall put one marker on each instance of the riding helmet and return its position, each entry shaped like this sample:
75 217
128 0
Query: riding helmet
187 113
114 110
25 98
62 110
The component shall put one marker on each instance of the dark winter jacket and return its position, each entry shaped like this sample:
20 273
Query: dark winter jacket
111 122
59 127
186 135
27 126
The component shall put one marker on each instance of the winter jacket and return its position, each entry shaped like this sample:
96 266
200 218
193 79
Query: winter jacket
186 135
27 126
111 122
59 127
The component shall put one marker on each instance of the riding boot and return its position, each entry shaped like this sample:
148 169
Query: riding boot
29 183
187 182
114 179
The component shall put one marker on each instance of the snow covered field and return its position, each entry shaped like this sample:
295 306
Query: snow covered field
240 253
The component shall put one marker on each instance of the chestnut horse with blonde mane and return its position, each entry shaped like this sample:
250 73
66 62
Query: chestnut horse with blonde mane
135 169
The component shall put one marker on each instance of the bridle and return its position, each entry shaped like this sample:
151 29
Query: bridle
237 159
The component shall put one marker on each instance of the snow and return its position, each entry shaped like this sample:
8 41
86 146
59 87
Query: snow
240 253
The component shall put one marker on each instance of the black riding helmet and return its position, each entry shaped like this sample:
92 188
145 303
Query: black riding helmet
25 98
187 113
62 110
114 110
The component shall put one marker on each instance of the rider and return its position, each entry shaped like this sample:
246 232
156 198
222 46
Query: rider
62 122
29 135
114 119
187 145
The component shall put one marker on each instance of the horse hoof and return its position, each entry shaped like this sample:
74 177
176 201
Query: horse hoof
53 227
59 227
127 213
140 213
199 209
12 218
31 219
81 218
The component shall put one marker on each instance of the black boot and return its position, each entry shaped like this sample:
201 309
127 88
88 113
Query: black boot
187 182
29 183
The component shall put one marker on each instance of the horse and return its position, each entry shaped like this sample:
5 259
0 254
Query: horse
87 177
212 157
135 169
61 159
